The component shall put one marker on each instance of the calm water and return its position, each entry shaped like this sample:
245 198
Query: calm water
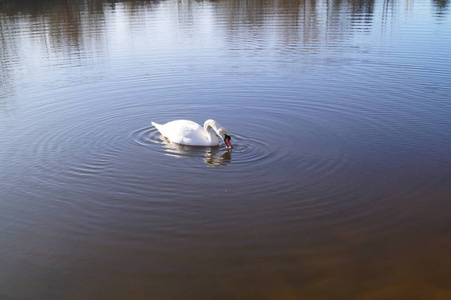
339 184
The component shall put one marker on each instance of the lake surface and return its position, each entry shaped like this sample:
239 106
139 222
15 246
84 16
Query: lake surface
338 185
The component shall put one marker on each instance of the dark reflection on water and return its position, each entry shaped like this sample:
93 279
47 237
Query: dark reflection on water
441 7
338 184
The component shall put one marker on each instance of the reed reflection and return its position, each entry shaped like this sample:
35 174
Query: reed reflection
75 30
46 32
79 25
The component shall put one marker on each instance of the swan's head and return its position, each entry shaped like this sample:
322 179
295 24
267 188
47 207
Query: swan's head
225 137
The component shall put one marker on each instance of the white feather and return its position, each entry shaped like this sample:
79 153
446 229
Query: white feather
190 133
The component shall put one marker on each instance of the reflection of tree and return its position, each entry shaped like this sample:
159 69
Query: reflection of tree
66 27
294 25
69 28
5 69
441 6
59 24
362 12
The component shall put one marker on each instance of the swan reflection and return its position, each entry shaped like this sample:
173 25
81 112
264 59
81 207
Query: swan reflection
218 158
212 156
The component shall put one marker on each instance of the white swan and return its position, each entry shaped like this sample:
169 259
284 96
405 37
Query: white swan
190 133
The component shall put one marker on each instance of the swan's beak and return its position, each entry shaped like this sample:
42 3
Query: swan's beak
227 141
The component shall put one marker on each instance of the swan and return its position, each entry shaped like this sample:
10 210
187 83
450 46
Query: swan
190 133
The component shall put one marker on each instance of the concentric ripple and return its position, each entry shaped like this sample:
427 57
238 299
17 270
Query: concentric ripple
245 150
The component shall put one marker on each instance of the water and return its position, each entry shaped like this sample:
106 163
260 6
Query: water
338 185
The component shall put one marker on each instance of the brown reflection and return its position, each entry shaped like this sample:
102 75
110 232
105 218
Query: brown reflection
238 12
70 27
6 73
40 7
296 25
67 27
59 24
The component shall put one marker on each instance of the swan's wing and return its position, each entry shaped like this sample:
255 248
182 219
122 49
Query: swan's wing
183 132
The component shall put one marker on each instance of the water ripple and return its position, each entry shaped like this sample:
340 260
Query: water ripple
245 150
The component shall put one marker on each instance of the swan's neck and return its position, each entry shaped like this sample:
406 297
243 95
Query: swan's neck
212 124
210 133
211 127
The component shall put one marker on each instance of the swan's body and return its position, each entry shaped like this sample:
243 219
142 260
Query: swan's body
190 133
